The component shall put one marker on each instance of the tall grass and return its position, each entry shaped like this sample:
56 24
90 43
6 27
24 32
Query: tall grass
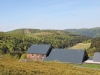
15 67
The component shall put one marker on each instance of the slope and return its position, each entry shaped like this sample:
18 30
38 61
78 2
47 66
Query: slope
81 46
58 38
15 67
93 32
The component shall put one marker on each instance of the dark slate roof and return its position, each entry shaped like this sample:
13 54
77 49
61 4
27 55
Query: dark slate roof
66 55
39 49
96 57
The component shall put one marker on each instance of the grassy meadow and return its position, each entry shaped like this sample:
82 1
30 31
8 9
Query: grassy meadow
95 66
81 46
18 67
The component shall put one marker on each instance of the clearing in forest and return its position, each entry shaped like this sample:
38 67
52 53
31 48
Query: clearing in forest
81 46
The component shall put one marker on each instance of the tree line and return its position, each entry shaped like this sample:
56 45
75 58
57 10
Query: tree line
95 45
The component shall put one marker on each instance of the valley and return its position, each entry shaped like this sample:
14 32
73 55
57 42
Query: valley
14 44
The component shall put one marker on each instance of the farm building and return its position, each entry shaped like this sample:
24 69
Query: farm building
67 55
96 57
46 53
38 52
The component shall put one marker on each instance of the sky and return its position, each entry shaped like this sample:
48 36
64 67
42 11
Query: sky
49 14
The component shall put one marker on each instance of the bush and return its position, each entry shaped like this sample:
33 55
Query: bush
1 52
9 55
23 56
16 56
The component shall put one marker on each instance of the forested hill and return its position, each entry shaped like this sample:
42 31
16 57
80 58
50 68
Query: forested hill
95 45
39 32
23 31
93 32
14 42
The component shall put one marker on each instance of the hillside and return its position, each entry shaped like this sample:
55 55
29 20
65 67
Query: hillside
58 38
95 45
81 46
18 41
23 31
93 32
38 32
18 67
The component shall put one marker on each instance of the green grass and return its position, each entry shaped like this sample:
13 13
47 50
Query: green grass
96 66
30 34
15 67
81 46
35 35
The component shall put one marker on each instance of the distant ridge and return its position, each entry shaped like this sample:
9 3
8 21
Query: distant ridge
38 32
92 32
28 31
23 31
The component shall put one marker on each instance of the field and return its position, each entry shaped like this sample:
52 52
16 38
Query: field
94 66
18 67
81 46
35 35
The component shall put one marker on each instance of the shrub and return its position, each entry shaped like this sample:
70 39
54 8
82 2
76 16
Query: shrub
16 56
9 55
1 52
23 56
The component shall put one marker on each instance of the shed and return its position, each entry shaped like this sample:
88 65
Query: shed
38 51
67 55
96 57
